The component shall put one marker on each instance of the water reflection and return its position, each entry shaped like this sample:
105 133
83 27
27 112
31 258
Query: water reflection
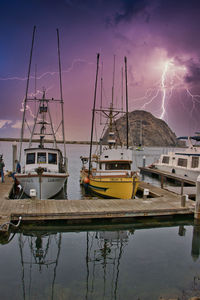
196 241
103 255
36 258
101 262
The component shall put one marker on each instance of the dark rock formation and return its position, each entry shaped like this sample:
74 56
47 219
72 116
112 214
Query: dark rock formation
144 129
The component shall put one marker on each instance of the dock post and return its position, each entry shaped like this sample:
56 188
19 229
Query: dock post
161 181
183 200
144 161
14 156
197 206
182 185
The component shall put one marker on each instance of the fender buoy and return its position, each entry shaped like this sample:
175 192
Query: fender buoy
86 180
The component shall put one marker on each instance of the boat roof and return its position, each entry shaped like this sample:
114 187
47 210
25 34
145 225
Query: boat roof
115 160
42 149
196 138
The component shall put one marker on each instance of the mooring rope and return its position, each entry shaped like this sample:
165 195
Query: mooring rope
10 223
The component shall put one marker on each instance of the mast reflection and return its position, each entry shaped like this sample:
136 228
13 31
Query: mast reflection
103 254
39 252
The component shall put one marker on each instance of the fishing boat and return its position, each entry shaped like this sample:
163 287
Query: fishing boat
45 168
185 162
109 173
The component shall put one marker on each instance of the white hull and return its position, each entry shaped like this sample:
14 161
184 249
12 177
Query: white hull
193 174
46 186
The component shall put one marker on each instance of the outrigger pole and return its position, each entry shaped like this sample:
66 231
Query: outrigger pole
93 113
127 127
26 95
61 98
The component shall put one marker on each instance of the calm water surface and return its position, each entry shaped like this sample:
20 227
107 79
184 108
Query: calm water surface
129 262
133 261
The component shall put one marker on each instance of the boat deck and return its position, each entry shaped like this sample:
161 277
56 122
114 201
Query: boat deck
164 203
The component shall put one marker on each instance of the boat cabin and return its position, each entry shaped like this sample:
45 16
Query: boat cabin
189 161
115 159
50 160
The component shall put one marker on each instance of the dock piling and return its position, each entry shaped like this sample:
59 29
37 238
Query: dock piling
144 161
183 200
14 156
197 206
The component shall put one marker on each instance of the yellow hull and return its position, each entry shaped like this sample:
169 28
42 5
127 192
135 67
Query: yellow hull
114 187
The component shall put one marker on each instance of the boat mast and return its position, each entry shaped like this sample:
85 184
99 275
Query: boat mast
61 99
26 95
93 113
127 127
111 141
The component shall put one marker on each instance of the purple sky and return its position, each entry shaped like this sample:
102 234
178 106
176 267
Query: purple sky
160 39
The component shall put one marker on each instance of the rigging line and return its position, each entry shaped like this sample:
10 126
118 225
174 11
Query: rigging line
122 90
101 95
93 114
35 88
27 125
95 129
113 83
103 131
117 131
26 95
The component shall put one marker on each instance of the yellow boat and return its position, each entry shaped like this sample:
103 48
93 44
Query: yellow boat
112 177
108 187
109 171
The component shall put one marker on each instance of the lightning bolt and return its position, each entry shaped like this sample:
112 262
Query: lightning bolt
74 62
164 89
170 81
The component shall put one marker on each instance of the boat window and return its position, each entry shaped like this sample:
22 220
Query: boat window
30 158
41 158
165 160
118 166
195 162
182 162
52 158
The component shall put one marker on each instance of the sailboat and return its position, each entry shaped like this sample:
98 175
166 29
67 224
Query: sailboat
109 172
45 169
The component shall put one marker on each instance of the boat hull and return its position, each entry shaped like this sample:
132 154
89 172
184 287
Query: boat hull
193 174
111 187
46 186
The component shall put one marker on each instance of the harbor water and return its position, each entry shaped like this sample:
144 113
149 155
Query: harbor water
142 260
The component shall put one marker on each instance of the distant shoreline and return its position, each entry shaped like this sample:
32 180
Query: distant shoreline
26 140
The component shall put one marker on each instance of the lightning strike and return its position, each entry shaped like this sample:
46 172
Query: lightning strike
74 62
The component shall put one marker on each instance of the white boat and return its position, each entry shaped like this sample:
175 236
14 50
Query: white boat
43 171
45 168
184 162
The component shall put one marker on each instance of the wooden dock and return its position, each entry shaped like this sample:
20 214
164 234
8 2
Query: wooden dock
165 174
161 203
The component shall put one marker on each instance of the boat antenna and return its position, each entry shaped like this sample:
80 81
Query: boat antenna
26 95
122 96
61 98
93 113
101 104
127 129
113 84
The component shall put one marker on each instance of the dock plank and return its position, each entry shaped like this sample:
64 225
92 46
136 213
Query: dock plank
165 203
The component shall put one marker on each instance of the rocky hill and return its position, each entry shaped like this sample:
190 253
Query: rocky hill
144 129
